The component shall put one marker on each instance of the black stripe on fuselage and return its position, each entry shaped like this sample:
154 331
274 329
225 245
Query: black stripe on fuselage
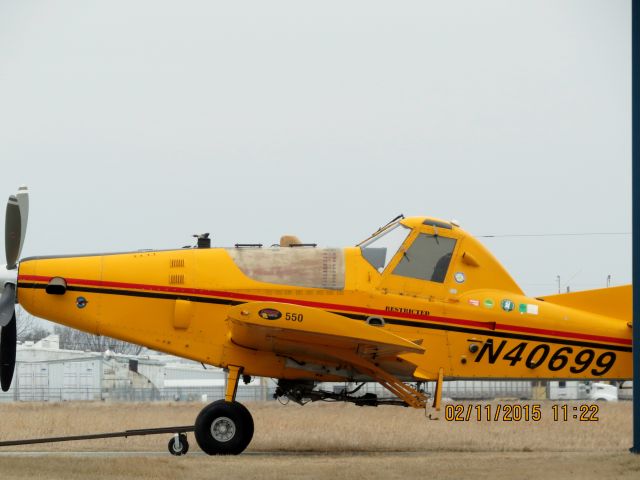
517 336
131 293
353 316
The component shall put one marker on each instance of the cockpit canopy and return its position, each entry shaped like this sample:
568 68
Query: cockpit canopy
427 258
411 251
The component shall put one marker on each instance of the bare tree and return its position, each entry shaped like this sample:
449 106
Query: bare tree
34 335
72 339
28 327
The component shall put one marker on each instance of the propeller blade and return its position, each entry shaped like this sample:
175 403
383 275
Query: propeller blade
7 304
23 203
8 338
12 232
15 227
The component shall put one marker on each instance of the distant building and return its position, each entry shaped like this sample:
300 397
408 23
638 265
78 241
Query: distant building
44 372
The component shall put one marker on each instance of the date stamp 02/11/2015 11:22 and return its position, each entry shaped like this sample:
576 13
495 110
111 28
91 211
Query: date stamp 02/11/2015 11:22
516 412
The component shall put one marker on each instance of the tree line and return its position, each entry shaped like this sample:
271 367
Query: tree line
29 328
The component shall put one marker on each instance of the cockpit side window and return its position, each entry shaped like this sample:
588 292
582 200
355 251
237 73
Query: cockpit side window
380 249
427 258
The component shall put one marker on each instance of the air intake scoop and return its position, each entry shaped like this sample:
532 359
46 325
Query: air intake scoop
56 286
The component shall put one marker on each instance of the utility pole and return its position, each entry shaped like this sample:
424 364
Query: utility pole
608 281
558 278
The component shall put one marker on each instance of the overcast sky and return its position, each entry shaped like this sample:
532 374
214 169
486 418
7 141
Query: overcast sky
137 124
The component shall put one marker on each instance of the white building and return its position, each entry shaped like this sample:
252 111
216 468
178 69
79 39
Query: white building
44 372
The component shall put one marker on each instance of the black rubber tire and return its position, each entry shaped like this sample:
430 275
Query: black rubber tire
236 413
181 451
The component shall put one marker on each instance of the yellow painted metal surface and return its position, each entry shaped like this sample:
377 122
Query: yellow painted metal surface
233 377
477 323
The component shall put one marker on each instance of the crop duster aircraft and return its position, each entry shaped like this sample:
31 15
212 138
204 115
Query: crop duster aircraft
419 300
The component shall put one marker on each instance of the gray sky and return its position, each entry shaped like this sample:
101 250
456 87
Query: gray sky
137 124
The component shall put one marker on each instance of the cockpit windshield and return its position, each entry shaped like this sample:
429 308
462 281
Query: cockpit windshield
380 248
427 258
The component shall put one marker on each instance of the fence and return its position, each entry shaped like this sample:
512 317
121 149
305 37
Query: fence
457 390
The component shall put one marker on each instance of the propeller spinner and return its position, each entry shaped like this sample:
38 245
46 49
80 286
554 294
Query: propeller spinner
15 230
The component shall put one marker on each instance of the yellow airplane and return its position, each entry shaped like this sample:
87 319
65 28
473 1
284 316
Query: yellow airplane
419 300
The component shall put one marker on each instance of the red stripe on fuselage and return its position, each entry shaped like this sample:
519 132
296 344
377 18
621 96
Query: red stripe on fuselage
330 306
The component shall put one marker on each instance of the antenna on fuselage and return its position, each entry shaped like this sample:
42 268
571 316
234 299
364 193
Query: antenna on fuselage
399 217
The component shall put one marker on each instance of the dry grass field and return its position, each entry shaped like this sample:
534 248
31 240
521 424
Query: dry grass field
320 441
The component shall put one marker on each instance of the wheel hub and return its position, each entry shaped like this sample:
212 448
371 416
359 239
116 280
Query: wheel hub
223 429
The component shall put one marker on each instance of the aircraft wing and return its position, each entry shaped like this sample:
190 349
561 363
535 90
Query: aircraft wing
289 329
312 334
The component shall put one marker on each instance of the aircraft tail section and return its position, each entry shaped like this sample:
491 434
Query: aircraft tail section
611 302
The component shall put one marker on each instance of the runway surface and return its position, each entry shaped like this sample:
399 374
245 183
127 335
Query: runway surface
316 465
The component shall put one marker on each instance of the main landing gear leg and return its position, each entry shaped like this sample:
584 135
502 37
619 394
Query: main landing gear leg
225 427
